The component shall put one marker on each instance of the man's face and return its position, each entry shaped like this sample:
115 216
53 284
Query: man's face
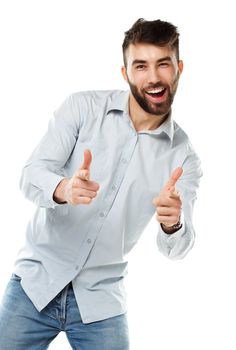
152 73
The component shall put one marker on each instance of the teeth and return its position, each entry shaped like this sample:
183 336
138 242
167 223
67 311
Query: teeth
156 91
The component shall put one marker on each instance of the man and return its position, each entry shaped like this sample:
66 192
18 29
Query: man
109 161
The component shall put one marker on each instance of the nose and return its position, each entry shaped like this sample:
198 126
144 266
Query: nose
153 76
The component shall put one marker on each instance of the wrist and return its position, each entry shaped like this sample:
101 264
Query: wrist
172 229
59 193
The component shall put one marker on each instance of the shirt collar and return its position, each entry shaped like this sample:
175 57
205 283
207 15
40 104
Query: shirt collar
120 103
167 127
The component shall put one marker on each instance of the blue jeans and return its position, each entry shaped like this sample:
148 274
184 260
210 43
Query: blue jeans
23 327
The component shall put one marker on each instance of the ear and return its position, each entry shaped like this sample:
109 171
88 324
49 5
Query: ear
124 73
180 66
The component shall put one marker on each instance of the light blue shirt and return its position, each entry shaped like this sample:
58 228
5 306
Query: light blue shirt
88 244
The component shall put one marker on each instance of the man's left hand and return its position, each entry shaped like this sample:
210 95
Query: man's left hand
168 203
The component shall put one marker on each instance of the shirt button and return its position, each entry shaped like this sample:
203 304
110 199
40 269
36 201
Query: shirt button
77 267
89 241
101 215
113 188
124 160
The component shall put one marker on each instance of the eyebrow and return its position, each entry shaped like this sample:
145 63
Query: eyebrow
166 58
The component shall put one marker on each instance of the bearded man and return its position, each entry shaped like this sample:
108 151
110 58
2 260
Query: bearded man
109 161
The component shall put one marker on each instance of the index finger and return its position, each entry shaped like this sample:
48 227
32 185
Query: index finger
174 178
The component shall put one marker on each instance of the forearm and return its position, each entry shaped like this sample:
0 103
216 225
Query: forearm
38 185
178 244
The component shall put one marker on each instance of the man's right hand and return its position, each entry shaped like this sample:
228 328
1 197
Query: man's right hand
79 189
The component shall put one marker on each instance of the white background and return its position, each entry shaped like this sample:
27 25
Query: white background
50 49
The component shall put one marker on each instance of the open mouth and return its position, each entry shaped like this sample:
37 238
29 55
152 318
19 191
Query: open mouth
159 92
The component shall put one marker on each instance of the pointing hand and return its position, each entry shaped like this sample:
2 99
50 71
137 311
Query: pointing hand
168 203
79 189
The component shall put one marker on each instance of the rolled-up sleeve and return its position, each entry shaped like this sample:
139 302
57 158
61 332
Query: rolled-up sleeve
178 244
44 169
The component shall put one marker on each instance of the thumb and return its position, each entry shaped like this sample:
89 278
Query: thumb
87 160
83 172
174 178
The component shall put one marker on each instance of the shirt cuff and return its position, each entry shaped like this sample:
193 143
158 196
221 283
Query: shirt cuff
50 187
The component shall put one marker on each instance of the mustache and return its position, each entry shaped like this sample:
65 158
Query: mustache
156 86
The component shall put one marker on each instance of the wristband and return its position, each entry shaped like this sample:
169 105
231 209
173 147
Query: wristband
172 229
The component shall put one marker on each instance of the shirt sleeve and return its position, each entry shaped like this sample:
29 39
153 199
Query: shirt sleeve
178 244
44 169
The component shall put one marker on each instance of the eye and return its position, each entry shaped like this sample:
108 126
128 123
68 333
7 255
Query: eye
140 67
164 65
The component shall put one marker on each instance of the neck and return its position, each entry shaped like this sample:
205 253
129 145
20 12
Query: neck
143 120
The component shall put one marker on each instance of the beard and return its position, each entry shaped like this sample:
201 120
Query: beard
158 108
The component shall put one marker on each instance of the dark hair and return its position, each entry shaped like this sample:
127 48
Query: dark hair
156 32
